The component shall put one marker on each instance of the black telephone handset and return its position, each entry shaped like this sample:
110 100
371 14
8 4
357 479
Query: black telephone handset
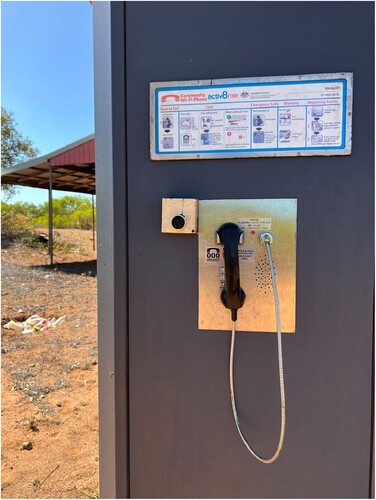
232 296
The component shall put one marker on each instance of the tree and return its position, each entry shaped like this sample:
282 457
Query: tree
15 148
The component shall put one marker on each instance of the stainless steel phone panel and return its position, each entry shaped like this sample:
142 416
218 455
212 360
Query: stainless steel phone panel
277 216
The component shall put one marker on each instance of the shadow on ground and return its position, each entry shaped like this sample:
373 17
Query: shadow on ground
88 268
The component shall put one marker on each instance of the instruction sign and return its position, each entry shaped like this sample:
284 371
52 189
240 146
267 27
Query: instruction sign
276 116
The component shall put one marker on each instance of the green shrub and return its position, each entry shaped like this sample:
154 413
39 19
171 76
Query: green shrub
15 226
68 212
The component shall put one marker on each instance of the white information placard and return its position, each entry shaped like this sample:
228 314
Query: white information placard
303 115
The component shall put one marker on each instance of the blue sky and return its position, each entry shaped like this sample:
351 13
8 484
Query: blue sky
47 74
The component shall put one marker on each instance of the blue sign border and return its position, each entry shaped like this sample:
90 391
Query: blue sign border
250 150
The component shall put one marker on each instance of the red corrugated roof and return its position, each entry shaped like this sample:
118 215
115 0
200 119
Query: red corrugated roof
73 169
80 155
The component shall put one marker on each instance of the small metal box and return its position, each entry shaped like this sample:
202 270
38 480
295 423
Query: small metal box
179 215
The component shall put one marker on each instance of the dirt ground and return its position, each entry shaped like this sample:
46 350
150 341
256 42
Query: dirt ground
49 379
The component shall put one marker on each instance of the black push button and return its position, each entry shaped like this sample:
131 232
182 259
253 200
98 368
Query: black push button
178 222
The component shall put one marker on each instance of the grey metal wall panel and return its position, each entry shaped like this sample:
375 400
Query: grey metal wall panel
183 442
110 152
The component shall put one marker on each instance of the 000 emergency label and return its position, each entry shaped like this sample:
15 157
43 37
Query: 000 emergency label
274 118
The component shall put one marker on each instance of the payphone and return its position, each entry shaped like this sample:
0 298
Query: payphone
238 272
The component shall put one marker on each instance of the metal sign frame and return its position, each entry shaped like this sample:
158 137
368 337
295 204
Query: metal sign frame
282 146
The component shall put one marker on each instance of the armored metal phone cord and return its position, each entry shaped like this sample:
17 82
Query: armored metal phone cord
281 381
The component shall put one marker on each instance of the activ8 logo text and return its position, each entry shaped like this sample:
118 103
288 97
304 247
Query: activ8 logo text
223 95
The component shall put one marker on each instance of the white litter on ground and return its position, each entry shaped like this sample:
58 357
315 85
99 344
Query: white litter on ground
34 324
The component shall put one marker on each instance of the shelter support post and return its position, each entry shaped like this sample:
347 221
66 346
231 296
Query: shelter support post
50 220
93 220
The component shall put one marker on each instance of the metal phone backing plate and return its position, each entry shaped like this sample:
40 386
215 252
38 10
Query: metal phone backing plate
277 216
